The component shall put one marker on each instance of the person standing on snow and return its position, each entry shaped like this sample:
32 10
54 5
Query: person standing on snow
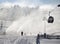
38 39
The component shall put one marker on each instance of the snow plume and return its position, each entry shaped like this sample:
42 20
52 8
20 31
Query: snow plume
32 23
28 18
28 24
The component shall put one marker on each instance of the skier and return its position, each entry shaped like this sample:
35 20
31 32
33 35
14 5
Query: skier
38 39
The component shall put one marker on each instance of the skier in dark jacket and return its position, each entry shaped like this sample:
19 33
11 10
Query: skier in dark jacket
38 39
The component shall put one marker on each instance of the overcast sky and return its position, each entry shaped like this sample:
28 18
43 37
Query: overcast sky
33 2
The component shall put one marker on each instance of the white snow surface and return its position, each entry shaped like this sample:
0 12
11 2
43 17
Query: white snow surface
25 40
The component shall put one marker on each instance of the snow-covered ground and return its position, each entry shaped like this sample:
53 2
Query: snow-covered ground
25 40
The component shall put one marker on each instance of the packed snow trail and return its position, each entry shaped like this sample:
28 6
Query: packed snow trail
17 40
26 40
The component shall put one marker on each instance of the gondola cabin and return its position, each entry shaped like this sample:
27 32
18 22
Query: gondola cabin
50 19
